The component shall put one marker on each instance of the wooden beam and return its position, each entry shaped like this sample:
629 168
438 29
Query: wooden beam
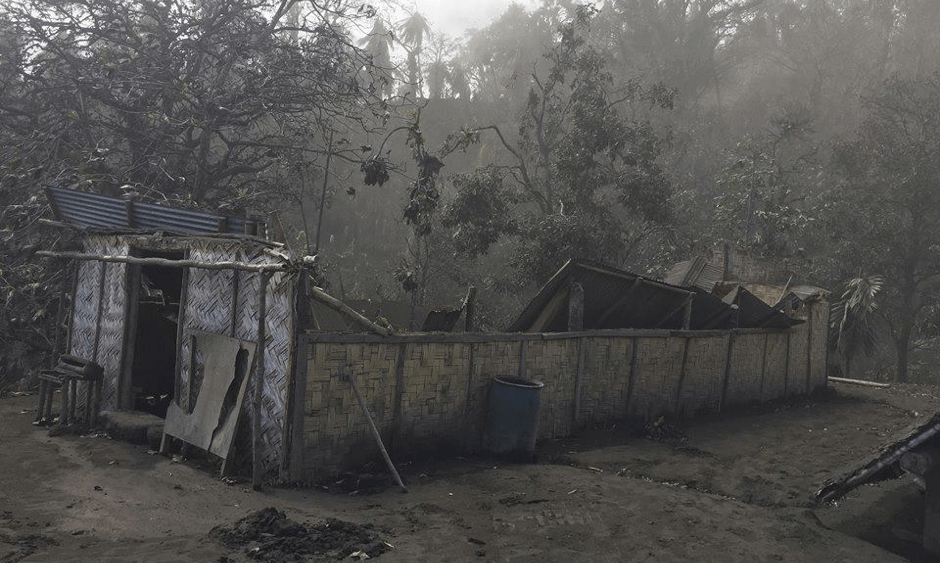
375 433
166 263
619 302
345 309
859 382
575 308
257 467
550 311
468 307
672 312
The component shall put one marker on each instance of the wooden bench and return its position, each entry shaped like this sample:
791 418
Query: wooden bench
65 376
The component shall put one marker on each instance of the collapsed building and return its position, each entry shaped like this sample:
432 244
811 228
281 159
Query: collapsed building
199 318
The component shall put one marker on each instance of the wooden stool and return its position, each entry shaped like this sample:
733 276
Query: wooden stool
66 375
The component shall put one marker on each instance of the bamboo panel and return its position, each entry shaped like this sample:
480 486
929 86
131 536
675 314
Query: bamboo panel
606 382
744 375
703 377
554 363
775 367
85 312
656 381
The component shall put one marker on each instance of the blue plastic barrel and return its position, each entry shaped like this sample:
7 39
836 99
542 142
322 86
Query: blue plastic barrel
512 416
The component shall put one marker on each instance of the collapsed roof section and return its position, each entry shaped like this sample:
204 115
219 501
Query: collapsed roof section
102 213
615 299
886 463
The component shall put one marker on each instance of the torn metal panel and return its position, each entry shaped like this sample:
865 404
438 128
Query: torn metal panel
214 417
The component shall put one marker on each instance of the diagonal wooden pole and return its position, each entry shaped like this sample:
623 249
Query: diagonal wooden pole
375 433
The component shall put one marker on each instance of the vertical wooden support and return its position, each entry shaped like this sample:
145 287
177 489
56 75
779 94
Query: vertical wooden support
682 372
724 383
68 335
399 386
931 539
578 380
234 319
809 351
523 345
687 318
180 331
131 318
763 370
102 272
786 377
576 308
469 307
634 360
295 467
469 436
257 467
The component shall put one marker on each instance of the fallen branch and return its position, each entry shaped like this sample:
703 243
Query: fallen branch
859 382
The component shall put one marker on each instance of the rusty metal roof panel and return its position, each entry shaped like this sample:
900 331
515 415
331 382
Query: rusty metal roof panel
697 272
99 212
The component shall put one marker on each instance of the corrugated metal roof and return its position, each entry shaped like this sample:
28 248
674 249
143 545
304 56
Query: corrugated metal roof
618 299
95 211
697 272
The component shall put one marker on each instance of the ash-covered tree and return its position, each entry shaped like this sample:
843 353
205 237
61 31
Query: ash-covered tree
582 175
884 214
192 100
202 102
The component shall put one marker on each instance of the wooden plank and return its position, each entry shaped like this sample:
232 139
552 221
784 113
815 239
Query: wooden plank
419 337
575 308
859 382
578 380
551 310
299 400
257 468
167 263
682 372
724 383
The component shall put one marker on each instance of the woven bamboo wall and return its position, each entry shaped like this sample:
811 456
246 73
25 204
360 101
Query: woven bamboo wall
227 303
217 301
98 322
425 391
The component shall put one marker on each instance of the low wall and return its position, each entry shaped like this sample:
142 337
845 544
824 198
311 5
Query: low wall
429 391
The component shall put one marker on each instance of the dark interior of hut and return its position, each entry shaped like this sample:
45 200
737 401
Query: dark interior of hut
152 380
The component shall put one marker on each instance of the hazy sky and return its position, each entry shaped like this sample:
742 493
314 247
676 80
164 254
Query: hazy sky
453 17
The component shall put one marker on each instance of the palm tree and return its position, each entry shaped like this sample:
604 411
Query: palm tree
412 31
378 43
854 319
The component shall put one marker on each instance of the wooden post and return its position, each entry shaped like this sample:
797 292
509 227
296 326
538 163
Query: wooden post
687 319
523 345
375 433
469 305
932 511
257 468
576 308
634 360
727 376
682 370
579 378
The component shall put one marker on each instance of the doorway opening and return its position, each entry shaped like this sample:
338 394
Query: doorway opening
158 312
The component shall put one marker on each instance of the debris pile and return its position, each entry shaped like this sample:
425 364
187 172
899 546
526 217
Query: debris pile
269 535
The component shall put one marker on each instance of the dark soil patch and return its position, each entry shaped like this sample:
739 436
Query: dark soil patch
269 535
